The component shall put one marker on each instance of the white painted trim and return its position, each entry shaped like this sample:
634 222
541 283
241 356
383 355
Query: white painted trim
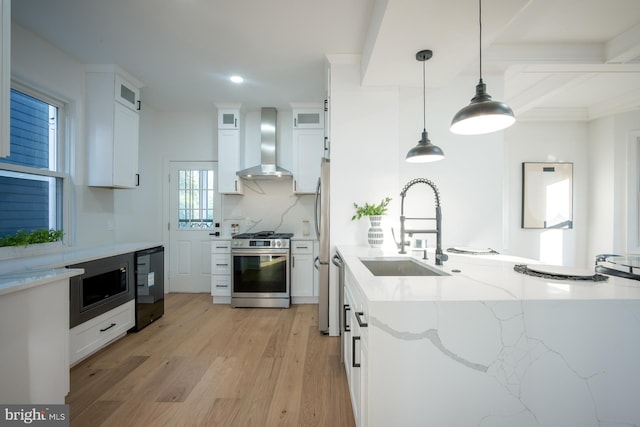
633 192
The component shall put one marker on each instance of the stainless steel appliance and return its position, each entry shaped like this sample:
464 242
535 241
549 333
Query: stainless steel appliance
105 284
149 286
260 274
322 233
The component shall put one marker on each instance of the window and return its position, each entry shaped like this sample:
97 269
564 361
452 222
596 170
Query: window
31 179
195 198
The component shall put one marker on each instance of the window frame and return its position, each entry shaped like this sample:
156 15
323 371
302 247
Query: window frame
61 157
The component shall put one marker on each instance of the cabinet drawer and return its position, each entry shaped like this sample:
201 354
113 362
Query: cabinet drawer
221 264
302 247
221 285
94 334
221 246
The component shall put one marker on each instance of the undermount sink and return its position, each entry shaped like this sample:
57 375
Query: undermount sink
399 267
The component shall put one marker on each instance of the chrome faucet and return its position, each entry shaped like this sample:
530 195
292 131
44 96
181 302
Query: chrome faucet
440 256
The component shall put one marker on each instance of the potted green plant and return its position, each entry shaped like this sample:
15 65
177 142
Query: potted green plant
25 238
374 213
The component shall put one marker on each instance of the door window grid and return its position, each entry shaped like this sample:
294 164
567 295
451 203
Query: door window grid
195 199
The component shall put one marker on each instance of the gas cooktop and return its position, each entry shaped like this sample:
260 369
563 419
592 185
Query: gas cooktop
264 235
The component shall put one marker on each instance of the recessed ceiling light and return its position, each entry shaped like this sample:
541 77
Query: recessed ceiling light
236 79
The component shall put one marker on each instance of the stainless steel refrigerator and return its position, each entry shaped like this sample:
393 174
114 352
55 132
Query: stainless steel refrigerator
322 233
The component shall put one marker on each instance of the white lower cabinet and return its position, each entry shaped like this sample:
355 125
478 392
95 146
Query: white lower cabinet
221 271
92 335
303 274
356 352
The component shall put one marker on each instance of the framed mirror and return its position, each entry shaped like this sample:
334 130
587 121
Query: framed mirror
547 195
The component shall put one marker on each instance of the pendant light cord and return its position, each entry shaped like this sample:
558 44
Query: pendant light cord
480 25
424 99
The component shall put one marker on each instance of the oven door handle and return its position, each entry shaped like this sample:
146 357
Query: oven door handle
257 252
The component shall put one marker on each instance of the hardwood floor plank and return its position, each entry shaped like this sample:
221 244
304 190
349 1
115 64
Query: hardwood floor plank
96 413
285 405
94 389
211 365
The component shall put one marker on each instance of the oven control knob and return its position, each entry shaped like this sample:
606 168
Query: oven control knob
278 243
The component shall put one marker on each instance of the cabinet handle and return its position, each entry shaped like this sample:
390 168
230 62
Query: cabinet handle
347 327
359 319
222 265
293 261
302 247
326 105
137 180
222 286
235 183
138 108
295 122
221 247
235 122
108 327
353 352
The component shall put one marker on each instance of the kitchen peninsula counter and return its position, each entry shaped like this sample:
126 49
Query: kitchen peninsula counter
488 346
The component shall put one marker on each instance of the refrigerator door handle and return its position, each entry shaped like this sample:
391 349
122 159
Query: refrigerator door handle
316 263
317 211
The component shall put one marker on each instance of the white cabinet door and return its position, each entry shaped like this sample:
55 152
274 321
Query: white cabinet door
127 93
125 147
112 132
308 149
302 272
229 162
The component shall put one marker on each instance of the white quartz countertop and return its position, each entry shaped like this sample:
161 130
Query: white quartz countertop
480 278
22 273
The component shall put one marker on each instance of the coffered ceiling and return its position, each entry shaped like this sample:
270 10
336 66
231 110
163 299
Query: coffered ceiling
561 59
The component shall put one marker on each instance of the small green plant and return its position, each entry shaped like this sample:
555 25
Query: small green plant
369 210
25 238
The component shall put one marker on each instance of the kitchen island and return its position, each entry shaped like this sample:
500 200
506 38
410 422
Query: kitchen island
487 346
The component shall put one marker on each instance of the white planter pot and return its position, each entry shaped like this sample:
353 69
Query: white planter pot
376 234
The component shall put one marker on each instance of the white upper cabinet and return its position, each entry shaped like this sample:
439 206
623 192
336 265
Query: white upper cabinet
229 151
112 127
308 147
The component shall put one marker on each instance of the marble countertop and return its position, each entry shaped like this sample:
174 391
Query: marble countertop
476 278
29 271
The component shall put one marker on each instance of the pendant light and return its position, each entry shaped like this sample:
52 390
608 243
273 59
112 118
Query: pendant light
425 151
482 115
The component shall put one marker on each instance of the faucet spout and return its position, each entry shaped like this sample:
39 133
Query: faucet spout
440 256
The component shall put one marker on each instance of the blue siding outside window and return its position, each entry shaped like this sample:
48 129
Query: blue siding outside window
25 198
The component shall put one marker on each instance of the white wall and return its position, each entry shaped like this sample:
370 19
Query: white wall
372 130
364 149
44 67
613 181
469 178
548 142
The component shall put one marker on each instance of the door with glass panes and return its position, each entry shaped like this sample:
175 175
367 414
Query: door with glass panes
194 210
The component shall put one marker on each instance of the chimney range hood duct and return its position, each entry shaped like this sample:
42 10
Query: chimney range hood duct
267 169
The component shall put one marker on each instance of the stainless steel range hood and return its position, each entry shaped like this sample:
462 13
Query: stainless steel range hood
267 169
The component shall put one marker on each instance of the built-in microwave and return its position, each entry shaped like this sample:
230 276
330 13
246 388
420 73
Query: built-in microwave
105 284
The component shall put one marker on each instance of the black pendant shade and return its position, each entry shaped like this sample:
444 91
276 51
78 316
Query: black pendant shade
425 151
482 115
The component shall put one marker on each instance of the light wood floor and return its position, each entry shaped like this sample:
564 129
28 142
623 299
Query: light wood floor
211 365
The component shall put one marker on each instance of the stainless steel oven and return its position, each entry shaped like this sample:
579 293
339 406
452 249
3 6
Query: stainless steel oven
260 270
